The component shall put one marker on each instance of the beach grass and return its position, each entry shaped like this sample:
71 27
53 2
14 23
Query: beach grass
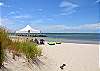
28 49
3 44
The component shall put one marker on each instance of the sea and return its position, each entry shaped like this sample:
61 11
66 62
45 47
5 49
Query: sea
85 38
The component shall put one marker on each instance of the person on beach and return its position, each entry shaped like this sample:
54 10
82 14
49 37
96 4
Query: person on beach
36 41
42 41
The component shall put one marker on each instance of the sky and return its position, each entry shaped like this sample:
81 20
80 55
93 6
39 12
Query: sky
51 16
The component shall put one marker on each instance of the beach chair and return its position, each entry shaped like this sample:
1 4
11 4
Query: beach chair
51 43
42 41
58 42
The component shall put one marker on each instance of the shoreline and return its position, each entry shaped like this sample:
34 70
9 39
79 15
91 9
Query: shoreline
56 40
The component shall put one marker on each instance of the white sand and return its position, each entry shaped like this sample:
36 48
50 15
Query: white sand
77 57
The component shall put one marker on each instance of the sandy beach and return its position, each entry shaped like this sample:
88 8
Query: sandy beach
77 57
49 35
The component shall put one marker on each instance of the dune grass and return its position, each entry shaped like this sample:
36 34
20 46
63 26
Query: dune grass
2 56
28 49
3 44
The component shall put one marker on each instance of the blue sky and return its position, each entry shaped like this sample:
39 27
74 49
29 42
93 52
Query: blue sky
51 15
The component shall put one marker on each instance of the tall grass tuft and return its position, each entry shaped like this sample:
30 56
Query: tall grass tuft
28 49
2 56
4 42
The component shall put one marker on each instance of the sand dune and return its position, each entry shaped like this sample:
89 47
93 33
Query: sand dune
77 57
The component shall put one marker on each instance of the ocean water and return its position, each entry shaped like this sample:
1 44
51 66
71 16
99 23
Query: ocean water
86 38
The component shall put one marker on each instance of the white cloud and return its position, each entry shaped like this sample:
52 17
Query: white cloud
98 1
1 3
79 28
12 13
91 26
4 5
5 21
88 26
67 13
68 6
63 14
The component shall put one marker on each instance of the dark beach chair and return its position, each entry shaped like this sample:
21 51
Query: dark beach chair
42 41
